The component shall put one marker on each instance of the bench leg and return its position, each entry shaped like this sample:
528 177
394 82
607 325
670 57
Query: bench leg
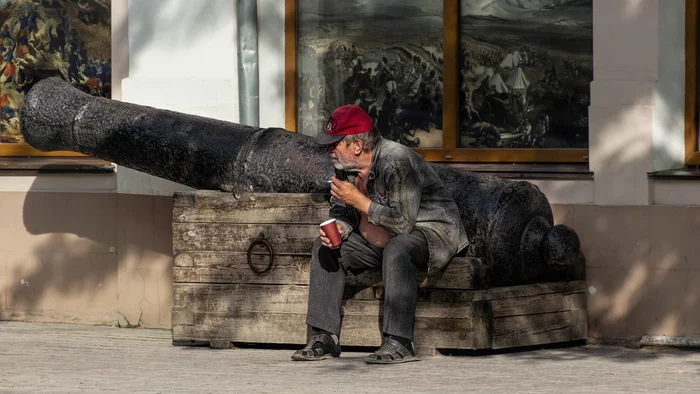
426 351
221 344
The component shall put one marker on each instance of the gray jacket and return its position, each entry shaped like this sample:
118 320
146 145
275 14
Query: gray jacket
406 193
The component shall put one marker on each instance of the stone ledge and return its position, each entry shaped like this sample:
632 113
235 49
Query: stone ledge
19 166
678 342
676 174
555 171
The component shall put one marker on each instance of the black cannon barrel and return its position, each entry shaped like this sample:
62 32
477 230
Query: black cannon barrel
196 151
509 223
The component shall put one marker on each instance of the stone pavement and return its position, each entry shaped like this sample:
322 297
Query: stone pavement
72 358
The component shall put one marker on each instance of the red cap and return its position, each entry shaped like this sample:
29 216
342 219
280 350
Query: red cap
346 120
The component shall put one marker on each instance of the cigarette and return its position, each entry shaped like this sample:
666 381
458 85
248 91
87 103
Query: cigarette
329 181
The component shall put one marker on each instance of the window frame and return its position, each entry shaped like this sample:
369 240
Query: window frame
692 154
449 151
22 149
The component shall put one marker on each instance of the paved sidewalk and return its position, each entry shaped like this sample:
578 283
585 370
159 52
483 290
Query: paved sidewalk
72 358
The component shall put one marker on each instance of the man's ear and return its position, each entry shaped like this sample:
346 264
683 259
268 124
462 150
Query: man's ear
359 144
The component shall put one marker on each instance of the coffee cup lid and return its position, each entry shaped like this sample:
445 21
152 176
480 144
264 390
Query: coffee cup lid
327 222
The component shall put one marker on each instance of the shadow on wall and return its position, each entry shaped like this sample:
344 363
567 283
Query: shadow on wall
641 266
641 260
98 257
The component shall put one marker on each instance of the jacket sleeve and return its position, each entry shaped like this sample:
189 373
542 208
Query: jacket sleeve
345 216
398 210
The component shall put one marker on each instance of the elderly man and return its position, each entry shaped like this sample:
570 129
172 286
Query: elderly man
392 212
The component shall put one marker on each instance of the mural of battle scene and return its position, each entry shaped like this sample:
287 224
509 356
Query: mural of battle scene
51 37
526 68
382 55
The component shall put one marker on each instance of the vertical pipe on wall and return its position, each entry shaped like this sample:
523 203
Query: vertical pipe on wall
248 94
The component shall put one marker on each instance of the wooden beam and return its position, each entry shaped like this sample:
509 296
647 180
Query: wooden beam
22 149
450 72
523 155
692 156
290 65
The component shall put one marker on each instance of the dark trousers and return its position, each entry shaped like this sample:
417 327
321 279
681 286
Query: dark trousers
403 257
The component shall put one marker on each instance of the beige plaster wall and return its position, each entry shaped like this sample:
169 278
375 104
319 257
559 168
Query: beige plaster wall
89 258
643 269
625 71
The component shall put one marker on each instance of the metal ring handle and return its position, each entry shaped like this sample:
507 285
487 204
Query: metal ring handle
264 242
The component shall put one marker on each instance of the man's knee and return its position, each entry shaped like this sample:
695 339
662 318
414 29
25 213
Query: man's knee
396 245
407 249
405 243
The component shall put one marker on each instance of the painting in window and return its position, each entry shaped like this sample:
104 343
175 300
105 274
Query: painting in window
51 37
526 68
382 55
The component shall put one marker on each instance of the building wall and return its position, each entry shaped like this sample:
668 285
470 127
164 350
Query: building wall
97 249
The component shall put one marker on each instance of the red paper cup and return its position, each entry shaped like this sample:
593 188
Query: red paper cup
331 229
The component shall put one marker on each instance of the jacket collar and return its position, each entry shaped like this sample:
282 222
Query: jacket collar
376 153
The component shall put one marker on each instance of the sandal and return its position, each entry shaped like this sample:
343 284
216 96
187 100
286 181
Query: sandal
391 352
320 346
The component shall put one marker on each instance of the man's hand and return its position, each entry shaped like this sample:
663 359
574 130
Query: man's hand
348 194
327 242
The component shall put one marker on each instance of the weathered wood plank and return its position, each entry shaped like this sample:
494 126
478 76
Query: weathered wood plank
537 289
217 207
300 214
240 298
458 296
528 330
502 307
183 199
579 324
218 200
222 267
252 327
284 238
423 309
578 301
496 293
283 213
460 273
183 317
357 330
226 267
544 303
246 298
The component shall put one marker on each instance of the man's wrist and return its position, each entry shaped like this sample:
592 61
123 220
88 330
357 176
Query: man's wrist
363 204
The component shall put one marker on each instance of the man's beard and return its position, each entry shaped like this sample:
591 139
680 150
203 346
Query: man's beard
344 165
